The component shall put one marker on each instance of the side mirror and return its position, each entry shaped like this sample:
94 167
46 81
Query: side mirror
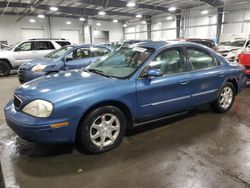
68 58
152 73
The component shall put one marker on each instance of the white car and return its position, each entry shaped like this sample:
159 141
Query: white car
231 49
25 51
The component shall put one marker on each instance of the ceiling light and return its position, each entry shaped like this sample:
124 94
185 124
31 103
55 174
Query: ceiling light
124 25
53 8
32 20
204 12
172 9
144 22
41 16
138 16
82 19
101 13
115 21
131 4
68 23
98 24
169 17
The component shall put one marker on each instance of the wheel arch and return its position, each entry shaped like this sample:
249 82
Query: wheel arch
120 105
7 61
234 81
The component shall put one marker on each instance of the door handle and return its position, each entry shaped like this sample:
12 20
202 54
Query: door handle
221 74
184 82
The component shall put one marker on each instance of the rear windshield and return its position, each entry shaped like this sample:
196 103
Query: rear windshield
63 43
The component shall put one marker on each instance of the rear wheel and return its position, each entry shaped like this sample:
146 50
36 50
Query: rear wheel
102 130
5 68
225 98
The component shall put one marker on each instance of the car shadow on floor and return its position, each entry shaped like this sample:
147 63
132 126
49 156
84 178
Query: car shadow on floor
151 139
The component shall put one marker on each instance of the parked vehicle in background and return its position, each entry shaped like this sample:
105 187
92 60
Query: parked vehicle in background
206 42
231 49
129 87
244 59
65 58
13 57
125 43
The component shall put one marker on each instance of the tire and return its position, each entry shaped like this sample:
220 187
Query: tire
95 131
5 68
225 98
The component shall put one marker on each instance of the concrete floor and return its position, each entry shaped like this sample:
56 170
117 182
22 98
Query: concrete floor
200 150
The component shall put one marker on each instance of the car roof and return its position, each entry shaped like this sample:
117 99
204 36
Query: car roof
161 44
88 45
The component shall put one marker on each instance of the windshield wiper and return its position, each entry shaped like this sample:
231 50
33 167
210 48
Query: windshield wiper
99 72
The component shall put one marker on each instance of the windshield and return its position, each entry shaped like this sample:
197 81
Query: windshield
58 53
122 63
239 43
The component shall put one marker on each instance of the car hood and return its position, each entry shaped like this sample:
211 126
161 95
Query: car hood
227 48
45 61
5 53
64 85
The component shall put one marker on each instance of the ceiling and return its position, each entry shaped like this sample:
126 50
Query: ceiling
115 9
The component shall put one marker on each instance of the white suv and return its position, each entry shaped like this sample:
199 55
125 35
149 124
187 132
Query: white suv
25 51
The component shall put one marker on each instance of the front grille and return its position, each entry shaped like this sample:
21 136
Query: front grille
17 102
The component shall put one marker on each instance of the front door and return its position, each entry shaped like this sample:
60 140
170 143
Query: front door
168 93
24 52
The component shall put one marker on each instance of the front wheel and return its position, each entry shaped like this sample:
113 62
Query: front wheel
225 98
102 130
5 68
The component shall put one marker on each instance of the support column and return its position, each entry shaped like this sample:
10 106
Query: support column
149 23
220 13
49 23
178 26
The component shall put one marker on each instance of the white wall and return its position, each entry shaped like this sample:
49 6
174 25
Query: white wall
115 29
237 24
11 31
136 30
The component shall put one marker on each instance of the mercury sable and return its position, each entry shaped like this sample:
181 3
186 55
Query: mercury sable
132 86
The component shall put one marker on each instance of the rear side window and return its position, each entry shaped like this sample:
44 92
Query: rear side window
63 43
99 51
169 61
201 60
45 45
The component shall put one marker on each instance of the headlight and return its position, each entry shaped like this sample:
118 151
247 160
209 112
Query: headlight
38 108
38 68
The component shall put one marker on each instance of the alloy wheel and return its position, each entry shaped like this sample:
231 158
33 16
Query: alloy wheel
226 97
105 130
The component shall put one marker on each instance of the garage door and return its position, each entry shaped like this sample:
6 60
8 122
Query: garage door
71 35
29 33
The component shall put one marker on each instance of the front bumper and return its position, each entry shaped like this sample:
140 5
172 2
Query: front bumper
38 129
27 75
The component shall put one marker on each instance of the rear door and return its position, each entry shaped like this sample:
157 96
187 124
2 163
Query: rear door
207 76
168 93
78 58
43 48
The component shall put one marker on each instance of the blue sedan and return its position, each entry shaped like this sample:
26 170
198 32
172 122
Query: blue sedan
132 86
66 58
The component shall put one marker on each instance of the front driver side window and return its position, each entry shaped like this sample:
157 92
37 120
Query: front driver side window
168 61
27 46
